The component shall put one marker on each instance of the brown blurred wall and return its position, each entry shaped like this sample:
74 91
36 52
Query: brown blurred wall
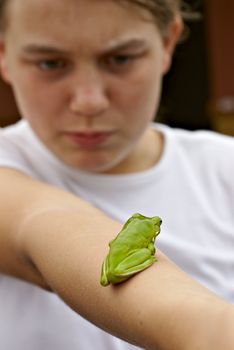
8 110
220 47
220 31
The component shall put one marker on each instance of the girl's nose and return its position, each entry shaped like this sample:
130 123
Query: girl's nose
89 97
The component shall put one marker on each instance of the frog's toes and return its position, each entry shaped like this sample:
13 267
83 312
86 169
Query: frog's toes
104 279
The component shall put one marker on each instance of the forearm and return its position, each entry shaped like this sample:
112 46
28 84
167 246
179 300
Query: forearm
159 308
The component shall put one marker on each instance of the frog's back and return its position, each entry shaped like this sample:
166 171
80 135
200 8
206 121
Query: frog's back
137 233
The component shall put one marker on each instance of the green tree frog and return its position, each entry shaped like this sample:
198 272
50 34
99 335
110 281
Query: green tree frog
132 250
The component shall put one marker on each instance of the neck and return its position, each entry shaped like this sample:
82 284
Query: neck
144 156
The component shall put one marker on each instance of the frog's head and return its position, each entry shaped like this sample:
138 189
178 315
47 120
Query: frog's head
157 221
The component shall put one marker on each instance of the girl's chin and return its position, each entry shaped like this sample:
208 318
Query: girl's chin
94 166
107 166
99 161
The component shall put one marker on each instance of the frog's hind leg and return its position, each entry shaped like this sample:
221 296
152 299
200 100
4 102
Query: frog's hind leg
134 263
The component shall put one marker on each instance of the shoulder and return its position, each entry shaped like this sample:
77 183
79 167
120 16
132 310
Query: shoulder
200 142
9 137
191 137
203 153
13 143
14 131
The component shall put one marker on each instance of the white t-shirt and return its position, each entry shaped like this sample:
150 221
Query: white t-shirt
191 189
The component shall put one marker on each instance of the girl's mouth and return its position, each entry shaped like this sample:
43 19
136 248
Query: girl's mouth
89 139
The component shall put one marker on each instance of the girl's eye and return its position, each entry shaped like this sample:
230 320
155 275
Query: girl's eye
51 65
119 61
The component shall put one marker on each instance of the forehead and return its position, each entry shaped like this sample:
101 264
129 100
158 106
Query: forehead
66 12
70 21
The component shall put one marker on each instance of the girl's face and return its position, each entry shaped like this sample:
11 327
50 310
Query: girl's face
87 76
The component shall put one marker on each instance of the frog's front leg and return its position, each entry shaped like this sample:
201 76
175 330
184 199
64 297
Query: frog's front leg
134 263
104 278
151 247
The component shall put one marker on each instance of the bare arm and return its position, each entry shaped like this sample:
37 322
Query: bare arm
57 241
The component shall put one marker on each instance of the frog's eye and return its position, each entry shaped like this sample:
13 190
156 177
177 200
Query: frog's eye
157 221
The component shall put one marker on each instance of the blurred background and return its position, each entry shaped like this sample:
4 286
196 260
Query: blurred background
199 89
198 92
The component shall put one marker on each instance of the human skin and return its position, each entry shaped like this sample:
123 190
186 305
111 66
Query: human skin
104 78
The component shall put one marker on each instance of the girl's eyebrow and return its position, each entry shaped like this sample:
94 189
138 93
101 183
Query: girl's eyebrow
33 49
42 49
127 44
